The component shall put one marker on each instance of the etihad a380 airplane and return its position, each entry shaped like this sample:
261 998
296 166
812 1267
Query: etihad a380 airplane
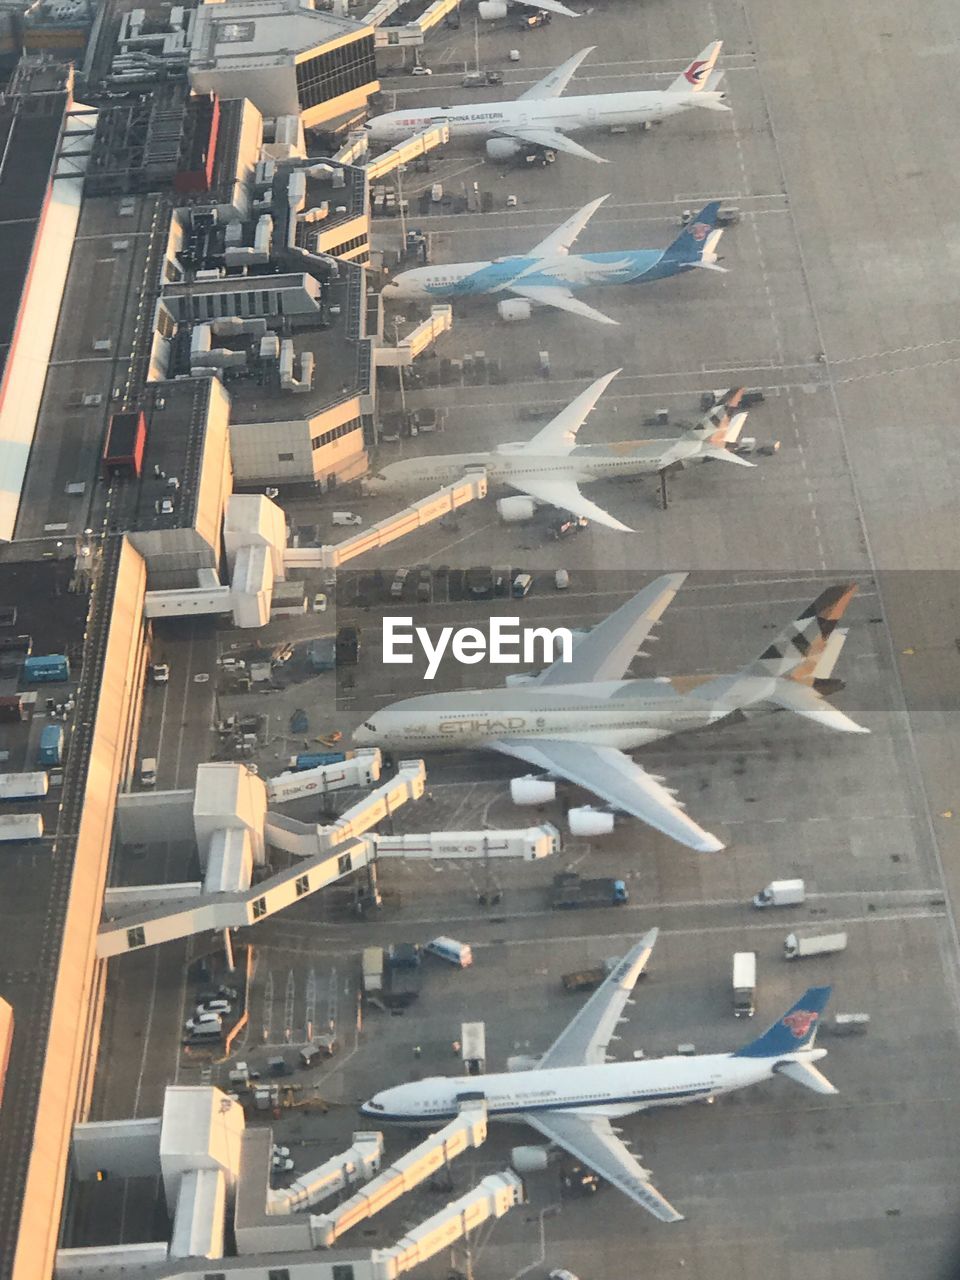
550 468
549 273
577 720
571 1095
541 118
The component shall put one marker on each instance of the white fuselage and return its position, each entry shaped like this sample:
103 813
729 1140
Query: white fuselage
625 714
585 463
566 115
611 1089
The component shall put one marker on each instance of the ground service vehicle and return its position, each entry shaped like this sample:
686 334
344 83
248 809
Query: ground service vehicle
521 585
160 673
744 983
345 517
781 893
348 646
403 955
458 953
589 979
372 970
50 668
571 892
148 772
50 750
796 947
401 987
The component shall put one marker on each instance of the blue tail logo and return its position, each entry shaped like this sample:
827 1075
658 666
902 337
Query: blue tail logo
797 1029
688 245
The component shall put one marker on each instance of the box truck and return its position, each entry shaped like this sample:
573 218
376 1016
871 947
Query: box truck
781 893
744 983
796 947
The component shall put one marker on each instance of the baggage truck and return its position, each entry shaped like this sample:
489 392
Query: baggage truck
589 979
50 668
570 891
50 750
796 947
372 969
23 786
744 983
781 893
20 826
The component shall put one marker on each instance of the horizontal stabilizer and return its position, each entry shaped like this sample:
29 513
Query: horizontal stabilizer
806 1073
724 455
804 701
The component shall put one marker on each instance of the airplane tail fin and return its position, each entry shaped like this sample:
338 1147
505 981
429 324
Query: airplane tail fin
798 649
796 1030
695 77
696 244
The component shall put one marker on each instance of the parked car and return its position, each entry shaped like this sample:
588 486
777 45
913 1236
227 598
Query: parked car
320 602
281 1153
160 673
282 1164
204 1021
221 993
419 70
217 1005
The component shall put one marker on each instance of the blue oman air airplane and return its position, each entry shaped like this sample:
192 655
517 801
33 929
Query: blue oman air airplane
571 1094
549 273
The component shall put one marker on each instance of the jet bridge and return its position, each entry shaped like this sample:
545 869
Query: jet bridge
304 841
529 844
468 1130
358 1164
439 322
417 145
361 768
452 496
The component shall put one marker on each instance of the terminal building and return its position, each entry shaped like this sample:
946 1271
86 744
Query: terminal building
286 57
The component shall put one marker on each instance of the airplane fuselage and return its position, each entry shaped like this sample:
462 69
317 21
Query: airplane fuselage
610 1089
626 714
583 464
567 115
565 271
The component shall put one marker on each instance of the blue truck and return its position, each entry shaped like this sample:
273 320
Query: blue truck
50 750
49 668
571 892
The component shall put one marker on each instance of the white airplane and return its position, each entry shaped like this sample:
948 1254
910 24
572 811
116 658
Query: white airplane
541 118
576 720
573 1092
550 467
549 274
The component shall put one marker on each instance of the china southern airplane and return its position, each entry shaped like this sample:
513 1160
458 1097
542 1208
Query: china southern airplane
573 1092
549 468
549 273
541 118
577 720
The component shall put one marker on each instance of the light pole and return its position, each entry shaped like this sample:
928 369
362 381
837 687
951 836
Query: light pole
476 42
397 321
403 213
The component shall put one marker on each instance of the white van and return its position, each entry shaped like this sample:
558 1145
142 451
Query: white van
453 952
148 772
561 579
346 517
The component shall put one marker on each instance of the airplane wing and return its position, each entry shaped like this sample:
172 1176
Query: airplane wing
584 1041
552 85
560 434
559 241
592 1140
553 139
565 494
556 295
612 776
552 6
608 650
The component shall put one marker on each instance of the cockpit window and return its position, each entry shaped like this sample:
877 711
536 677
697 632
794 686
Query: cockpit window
375 1106
368 724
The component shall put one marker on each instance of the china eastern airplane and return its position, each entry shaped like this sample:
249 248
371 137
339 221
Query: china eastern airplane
577 720
549 468
572 1093
549 273
541 118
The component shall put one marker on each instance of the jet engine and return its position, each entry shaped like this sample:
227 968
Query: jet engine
502 148
522 1062
587 821
514 309
513 510
529 1159
491 9
531 790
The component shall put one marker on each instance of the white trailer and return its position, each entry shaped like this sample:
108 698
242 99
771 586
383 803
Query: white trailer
796 947
744 983
20 826
529 844
781 893
23 786
473 1047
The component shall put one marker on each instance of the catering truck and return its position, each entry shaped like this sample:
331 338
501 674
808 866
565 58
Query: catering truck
796 947
781 893
372 970
744 984
570 891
